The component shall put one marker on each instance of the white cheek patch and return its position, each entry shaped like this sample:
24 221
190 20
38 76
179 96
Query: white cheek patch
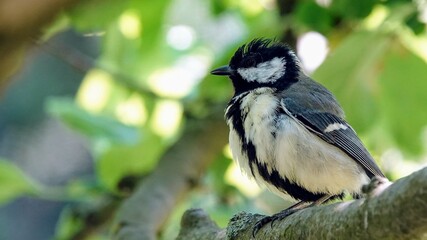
264 72
334 127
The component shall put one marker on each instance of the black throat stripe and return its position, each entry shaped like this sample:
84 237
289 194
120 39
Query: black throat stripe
236 116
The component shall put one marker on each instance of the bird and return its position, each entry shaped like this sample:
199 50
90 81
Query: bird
288 132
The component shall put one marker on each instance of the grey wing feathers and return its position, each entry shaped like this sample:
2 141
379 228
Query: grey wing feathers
335 131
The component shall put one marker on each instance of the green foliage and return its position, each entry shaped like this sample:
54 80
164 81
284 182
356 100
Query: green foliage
73 221
96 14
120 150
314 17
216 176
68 224
81 189
404 82
351 9
414 23
13 182
97 128
120 160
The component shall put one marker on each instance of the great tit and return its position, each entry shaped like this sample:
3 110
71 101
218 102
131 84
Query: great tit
288 132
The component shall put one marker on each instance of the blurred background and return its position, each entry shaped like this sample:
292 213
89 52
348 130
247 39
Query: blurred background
107 87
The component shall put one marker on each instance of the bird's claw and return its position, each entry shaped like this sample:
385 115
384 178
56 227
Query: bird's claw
261 224
271 219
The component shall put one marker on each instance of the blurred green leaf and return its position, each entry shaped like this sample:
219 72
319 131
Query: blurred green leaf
413 22
351 9
218 7
404 98
120 161
216 175
82 189
397 2
96 14
351 73
139 56
216 90
97 128
78 221
314 16
13 182
68 224
120 54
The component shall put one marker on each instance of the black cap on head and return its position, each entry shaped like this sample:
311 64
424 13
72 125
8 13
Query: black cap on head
261 63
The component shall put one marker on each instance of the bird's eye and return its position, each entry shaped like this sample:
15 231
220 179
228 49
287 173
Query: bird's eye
250 61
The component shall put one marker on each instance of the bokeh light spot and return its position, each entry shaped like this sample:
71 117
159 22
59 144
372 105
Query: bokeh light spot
130 24
235 177
312 49
95 90
181 37
180 79
167 117
132 111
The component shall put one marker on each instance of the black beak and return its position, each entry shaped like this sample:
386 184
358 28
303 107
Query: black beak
224 70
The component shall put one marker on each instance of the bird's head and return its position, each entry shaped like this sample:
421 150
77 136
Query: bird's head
261 63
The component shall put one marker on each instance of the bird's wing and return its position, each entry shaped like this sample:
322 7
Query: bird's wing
334 130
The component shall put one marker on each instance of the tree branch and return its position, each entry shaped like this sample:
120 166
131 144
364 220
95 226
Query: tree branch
143 214
389 211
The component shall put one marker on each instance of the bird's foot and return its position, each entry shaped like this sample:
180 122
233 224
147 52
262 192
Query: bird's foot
375 186
271 219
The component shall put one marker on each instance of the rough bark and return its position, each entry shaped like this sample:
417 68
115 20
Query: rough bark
389 211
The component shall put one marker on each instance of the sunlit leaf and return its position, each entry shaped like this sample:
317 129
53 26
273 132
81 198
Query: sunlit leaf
13 182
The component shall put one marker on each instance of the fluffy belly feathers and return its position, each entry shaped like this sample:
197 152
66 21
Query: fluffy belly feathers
297 155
